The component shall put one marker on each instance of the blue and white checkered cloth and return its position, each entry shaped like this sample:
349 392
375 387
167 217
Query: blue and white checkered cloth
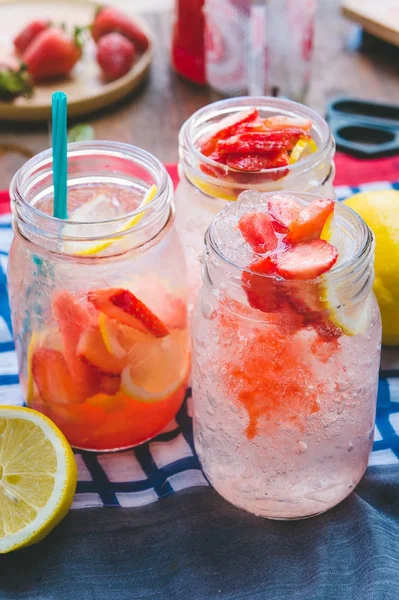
168 463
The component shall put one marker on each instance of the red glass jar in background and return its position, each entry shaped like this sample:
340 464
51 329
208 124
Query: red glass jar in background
188 40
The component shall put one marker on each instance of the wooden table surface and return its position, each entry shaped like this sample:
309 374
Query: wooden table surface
152 118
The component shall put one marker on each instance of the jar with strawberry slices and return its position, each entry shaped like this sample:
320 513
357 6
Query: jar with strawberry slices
286 352
261 143
98 301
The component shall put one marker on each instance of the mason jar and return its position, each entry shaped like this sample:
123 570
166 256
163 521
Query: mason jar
200 196
98 301
284 401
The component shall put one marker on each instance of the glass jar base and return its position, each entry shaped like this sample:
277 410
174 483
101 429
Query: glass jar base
283 518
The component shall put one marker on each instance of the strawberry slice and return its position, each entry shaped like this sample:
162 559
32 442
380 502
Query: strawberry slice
253 163
109 384
124 307
283 122
225 128
51 375
26 36
213 170
283 209
73 317
257 230
260 291
261 141
309 222
52 54
249 142
306 261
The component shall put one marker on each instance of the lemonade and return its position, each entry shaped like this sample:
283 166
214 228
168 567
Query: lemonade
286 354
99 301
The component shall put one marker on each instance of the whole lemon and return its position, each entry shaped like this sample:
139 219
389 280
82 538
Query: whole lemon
380 210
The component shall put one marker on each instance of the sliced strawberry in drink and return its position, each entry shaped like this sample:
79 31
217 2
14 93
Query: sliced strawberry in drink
124 307
93 351
260 290
73 317
265 141
52 377
109 384
257 230
225 128
306 261
256 125
309 222
283 209
246 143
327 330
253 163
213 170
283 122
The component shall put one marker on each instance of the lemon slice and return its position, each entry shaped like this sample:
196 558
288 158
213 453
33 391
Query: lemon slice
352 320
302 148
37 477
212 190
157 368
85 212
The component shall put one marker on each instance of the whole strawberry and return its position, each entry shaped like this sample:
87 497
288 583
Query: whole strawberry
115 55
52 54
110 20
29 33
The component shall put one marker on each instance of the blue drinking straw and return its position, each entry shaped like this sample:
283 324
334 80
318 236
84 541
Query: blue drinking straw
60 163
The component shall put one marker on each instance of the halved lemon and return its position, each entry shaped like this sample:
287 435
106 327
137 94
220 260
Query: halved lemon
38 477
85 213
157 368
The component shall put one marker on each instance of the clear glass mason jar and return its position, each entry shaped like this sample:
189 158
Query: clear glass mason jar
284 402
200 196
98 301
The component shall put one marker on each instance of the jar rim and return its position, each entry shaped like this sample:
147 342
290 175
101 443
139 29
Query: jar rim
355 262
107 148
227 106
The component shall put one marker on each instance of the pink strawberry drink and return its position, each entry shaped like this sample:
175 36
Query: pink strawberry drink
286 354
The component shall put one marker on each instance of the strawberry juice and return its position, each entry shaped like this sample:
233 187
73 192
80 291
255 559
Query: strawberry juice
286 354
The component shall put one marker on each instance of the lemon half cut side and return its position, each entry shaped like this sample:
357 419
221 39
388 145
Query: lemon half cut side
38 477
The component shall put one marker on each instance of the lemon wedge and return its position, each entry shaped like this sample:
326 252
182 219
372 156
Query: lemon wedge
37 477
352 320
85 212
302 148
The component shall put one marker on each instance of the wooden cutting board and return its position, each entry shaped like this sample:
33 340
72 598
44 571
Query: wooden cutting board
378 17
85 88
